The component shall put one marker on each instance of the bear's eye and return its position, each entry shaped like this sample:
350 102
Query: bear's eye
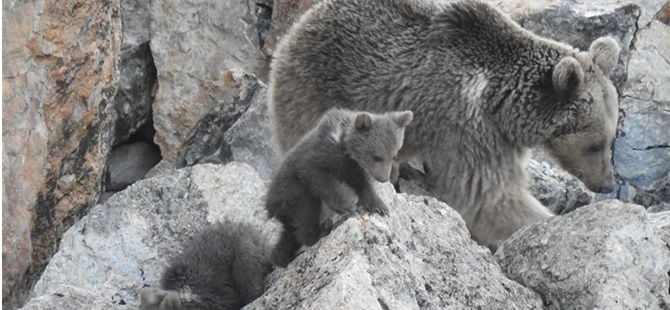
595 148
376 158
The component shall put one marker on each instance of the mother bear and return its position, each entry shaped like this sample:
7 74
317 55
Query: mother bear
483 91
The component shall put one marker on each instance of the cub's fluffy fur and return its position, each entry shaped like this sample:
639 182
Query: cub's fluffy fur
223 268
325 167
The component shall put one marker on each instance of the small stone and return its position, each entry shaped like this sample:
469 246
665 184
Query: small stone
129 163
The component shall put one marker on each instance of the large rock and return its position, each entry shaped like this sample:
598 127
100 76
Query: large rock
207 143
556 189
419 257
137 81
133 100
238 130
642 151
70 297
124 244
655 194
193 44
250 138
60 71
609 255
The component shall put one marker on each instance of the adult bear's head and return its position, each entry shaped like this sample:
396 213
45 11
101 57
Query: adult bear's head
584 145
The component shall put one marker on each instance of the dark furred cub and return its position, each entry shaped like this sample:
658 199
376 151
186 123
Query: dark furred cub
324 167
223 268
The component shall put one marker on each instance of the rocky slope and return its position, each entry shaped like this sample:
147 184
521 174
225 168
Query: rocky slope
190 79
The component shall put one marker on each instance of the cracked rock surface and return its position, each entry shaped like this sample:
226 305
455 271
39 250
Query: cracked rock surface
124 243
419 257
608 255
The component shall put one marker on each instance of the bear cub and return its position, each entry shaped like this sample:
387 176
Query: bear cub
325 167
225 267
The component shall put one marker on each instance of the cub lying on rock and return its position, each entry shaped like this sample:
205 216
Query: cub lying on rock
325 166
223 268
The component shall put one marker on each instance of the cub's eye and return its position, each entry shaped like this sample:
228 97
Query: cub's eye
376 158
395 157
595 148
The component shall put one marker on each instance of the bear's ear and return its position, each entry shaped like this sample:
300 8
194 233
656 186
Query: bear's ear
568 76
605 53
363 121
403 118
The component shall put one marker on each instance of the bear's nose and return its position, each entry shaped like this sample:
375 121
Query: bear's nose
607 189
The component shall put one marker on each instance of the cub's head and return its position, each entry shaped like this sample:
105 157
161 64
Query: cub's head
374 140
584 146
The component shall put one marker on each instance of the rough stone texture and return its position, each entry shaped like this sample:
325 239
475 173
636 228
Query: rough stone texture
207 143
126 242
608 255
70 297
250 138
419 257
642 151
284 14
133 100
656 193
193 44
556 189
137 81
130 162
60 71
218 140
136 21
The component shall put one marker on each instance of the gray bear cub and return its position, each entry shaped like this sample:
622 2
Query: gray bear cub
223 268
325 166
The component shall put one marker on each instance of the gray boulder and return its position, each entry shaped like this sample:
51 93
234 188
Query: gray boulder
239 129
608 255
556 189
642 151
657 193
70 297
194 43
250 138
132 104
124 244
419 257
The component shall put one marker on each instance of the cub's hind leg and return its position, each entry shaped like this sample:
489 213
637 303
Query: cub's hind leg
285 250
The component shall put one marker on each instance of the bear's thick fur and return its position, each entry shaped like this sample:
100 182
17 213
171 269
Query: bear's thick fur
483 91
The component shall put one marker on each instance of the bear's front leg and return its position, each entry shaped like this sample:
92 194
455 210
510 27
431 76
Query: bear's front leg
335 194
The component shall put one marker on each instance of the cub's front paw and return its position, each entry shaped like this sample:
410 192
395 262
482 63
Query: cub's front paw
376 206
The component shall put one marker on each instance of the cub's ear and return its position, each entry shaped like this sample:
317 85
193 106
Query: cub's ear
568 76
605 53
363 121
403 118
